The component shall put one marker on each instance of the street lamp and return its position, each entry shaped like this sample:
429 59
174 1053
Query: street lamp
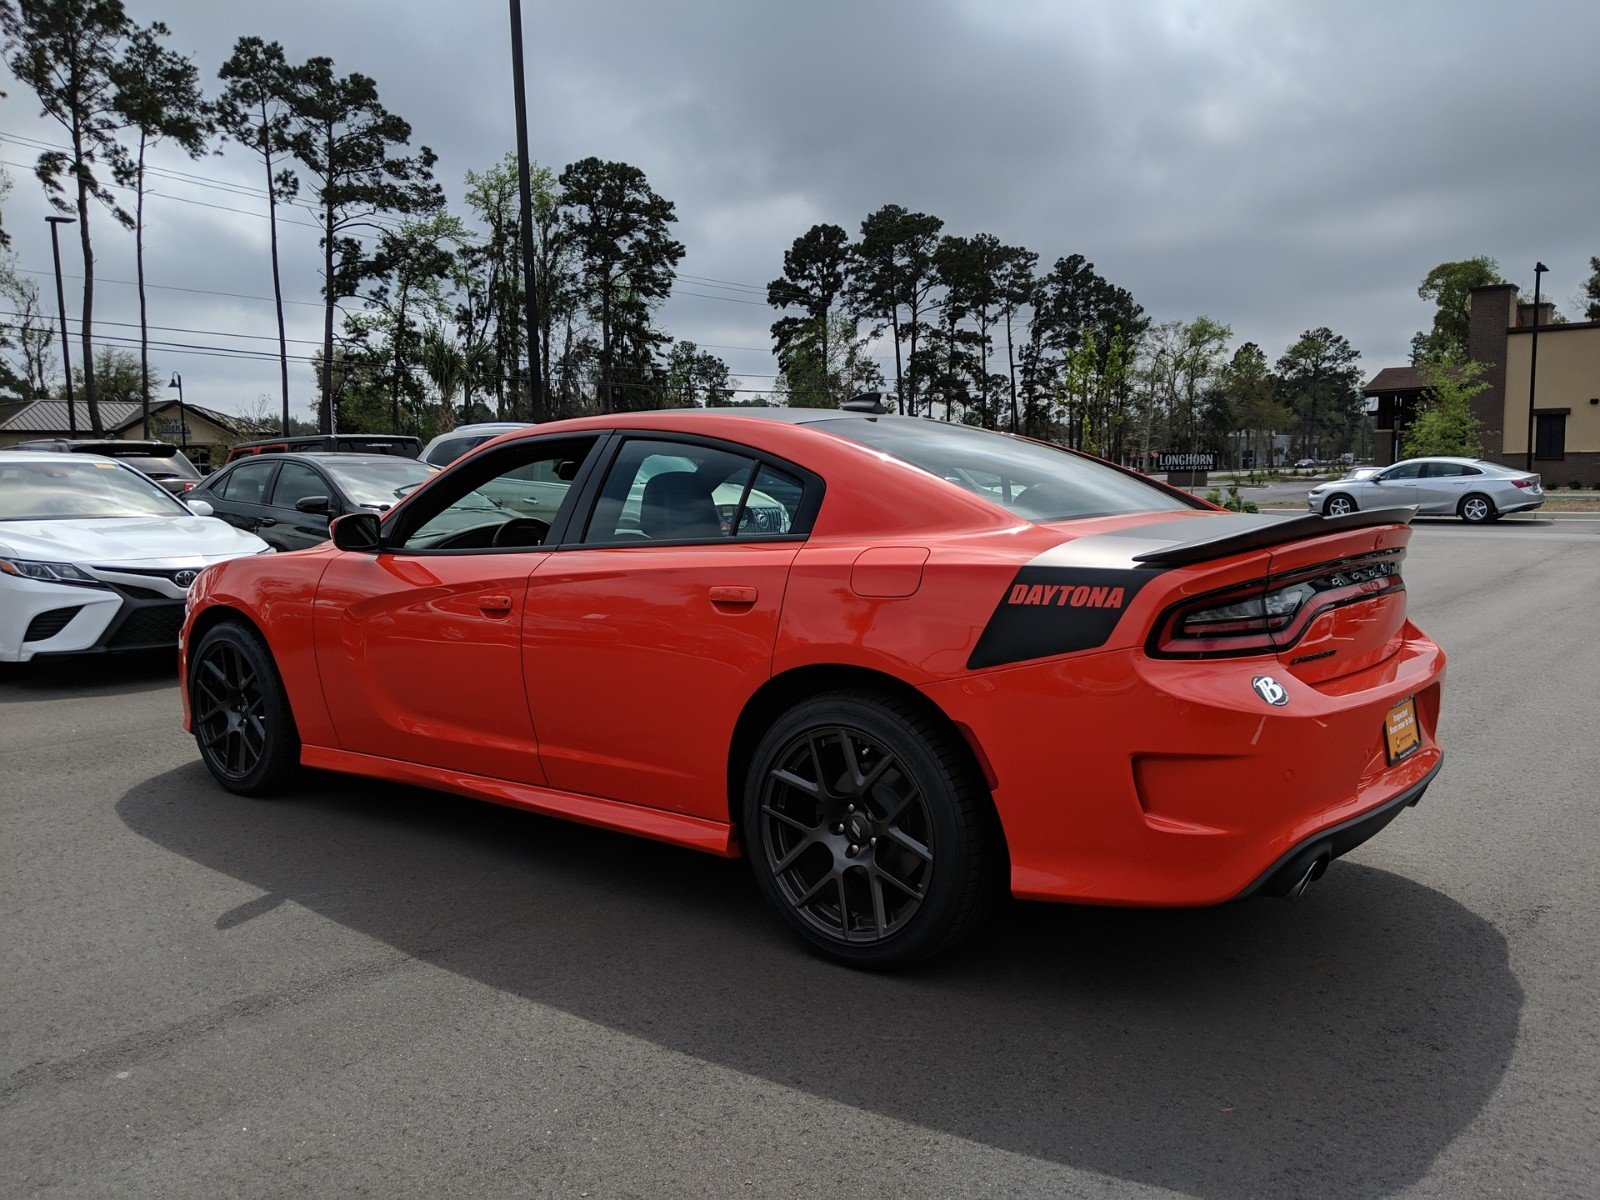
183 421
61 308
1533 355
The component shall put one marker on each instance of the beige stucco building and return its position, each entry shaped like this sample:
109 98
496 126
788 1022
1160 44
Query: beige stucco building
1566 390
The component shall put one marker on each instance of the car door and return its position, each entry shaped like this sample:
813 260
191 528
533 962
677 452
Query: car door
419 645
285 526
239 499
1443 485
644 639
1395 487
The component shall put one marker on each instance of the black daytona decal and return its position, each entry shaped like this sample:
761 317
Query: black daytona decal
1056 610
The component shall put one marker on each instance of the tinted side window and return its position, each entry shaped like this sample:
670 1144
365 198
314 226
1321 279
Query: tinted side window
669 492
773 504
1409 471
248 483
296 481
508 502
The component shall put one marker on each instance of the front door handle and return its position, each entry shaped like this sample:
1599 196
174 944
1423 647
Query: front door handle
733 596
266 521
494 605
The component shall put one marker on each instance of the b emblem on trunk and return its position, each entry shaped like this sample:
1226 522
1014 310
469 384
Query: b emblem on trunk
1270 690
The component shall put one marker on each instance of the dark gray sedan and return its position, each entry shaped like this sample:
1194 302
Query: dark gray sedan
1469 488
287 500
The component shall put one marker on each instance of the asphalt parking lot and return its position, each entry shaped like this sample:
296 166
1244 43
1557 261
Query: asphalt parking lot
368 989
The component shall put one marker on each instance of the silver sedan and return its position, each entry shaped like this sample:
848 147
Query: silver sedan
1469 488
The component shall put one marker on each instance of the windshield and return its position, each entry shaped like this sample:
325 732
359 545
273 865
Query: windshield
378 484
1035 481
55 488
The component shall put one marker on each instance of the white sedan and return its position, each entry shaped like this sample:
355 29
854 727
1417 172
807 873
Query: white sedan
95 557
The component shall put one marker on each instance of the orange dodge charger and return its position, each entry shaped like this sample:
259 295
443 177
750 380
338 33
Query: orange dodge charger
899 665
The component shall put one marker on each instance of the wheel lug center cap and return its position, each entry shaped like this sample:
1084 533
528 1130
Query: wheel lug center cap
858 828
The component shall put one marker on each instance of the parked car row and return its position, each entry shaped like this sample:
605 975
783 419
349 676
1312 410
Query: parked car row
95 556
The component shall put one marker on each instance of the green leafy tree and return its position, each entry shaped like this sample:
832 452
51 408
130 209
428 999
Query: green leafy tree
346 142
1071 301
412 266
254 110
1449 286
891 277
123 379
1252 395
1446 425
970 269
1319 379
815 268
696 378
824 364
619 231
158 98
67 52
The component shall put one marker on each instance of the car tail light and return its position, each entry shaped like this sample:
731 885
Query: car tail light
189 485
1522 483
1267 615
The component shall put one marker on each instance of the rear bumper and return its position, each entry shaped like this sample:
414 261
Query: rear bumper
1317 851
1517 506
1126 780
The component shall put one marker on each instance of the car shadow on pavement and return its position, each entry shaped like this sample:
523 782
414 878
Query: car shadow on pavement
1334 1044
84 674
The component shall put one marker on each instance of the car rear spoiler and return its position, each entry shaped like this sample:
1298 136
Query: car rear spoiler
1266 532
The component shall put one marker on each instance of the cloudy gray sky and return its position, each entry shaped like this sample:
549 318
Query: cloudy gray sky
1276 166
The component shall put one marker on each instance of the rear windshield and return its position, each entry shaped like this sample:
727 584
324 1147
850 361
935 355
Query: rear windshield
1035 481
378 484
169 466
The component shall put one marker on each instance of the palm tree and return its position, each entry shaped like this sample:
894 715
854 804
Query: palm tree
450 368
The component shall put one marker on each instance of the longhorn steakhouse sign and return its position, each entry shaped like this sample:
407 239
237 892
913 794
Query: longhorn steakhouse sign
1172 460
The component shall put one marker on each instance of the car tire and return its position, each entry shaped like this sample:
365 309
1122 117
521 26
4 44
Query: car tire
1476 509
1338 505
240 713
870 831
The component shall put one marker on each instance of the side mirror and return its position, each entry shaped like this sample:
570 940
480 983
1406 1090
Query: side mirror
313 504
200 508
357 532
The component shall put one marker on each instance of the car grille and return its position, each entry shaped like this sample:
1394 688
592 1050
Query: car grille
152 625
138 593
48 624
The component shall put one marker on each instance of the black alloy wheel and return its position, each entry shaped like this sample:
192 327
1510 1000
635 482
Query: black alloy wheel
239 712
1477 508
869 831
1338 505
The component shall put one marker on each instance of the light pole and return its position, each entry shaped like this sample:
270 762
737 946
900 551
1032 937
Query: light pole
183 421
1533 355
61 307
524 187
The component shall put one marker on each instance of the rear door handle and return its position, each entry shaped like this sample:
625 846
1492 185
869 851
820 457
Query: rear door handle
267 521
494 604
734 596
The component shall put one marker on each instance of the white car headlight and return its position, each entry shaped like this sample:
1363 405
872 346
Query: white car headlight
47 572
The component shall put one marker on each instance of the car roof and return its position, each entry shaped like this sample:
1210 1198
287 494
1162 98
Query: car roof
327 457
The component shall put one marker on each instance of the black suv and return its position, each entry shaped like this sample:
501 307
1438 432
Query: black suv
161 461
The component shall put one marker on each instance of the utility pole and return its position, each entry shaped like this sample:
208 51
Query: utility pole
61 308
1533 355
524 185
